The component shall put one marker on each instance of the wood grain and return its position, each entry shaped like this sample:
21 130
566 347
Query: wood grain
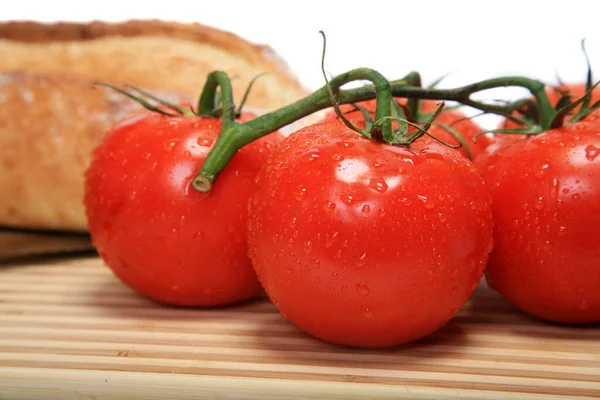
70 330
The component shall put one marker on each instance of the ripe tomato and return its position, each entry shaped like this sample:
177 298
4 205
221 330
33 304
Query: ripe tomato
367 244
158 235
451 117
546 206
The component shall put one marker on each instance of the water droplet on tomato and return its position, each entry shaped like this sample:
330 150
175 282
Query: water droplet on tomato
300 193
576 196
334 275
345 143
368 313
308 247
289 270
591 152
170 144
292 222
205 142
329 206
540 172
442 218
562 231
362 260
432 154
148 156
187 154
362 290
539 204
554 187
427 203
406 201
378 184
330 240
133 195
337 157
175 233
310 157
348 199
366 209
280 171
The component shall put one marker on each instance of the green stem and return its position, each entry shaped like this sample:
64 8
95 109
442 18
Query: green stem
413 104
206 103
228 137
462 95
234 136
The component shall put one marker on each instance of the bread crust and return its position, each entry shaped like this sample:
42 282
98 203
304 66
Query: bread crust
154 54
51 117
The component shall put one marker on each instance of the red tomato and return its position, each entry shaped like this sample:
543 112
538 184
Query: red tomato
366 244
158 235
454 118
546 206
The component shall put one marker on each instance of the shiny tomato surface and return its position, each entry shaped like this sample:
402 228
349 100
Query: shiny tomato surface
367 244
546 206
157 234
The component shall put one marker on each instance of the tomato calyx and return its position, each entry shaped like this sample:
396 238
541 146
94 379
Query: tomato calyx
386 109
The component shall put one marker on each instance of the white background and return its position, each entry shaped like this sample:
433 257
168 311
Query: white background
472 40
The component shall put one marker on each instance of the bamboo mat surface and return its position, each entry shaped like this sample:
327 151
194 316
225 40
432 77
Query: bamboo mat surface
70 330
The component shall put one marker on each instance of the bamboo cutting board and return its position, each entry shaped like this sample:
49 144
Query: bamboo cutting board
70 330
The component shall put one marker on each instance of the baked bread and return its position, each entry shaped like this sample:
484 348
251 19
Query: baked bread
154 55
51 117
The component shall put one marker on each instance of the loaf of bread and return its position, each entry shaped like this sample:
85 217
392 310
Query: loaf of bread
51 116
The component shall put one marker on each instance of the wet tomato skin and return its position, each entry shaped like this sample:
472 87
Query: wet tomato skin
155 232
365 244
546 206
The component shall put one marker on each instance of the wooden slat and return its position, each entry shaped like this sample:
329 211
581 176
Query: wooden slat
70 329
